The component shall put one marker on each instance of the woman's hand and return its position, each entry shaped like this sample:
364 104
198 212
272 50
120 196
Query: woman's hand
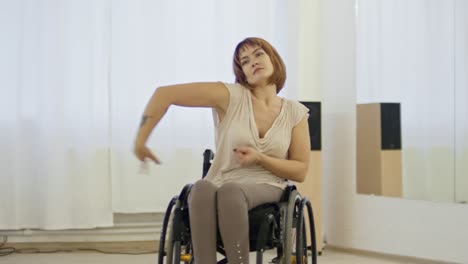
143 153
247 156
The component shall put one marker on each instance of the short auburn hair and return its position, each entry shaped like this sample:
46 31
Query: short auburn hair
279 69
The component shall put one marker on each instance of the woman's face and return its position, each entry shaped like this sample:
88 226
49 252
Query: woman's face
256 65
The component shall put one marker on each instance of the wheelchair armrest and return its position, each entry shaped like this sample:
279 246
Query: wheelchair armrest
287 192
183 196
208 155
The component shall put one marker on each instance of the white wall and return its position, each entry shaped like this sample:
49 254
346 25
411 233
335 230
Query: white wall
395 226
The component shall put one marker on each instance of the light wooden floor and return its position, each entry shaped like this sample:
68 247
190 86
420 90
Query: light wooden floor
328 257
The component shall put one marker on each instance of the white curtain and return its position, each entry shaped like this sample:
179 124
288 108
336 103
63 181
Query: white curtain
156 43
405 54
75 78
54 108
461 103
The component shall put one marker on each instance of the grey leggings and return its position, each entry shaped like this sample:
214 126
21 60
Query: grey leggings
228 207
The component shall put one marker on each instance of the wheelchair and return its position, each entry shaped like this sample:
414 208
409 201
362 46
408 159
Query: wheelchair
279 225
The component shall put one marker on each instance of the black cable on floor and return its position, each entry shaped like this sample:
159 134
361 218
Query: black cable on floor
5 251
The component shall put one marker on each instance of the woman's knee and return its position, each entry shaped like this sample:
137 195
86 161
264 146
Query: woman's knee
202 191
230 193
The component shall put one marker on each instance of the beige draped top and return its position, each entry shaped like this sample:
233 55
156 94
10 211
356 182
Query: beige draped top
238 128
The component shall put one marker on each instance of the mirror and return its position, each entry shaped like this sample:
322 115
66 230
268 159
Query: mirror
412 92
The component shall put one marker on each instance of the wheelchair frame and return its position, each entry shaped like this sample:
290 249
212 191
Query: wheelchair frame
271 225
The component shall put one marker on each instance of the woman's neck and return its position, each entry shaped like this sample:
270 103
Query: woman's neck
266 94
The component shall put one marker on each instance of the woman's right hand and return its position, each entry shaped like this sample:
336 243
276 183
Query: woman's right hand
143 153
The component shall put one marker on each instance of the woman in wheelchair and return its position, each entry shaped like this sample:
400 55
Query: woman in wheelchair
262 142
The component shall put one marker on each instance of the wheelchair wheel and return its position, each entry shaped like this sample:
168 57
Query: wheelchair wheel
176 250
313 246
178 256
162 239
304 245
288 234
171 245
177 236
301 236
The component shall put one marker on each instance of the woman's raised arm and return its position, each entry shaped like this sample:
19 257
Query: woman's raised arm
203 94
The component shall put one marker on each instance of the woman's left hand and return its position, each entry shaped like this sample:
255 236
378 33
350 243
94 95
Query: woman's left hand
247 156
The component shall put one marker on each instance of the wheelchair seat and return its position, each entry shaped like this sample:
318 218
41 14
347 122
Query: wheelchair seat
277 225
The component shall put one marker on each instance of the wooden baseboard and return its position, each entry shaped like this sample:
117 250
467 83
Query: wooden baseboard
131 247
